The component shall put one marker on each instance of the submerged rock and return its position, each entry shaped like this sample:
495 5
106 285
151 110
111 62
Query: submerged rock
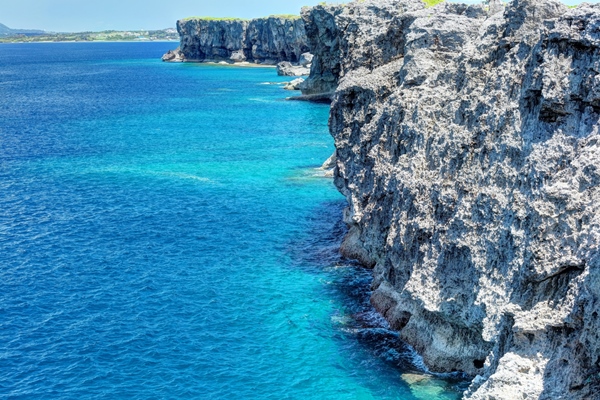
323 38
262 41
468 146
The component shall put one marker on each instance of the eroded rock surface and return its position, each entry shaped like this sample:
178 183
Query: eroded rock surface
263 40
294 85
323 37
286 68
173 56
468 148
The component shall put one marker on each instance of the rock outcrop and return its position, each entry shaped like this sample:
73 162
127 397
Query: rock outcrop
302 68
286 68
173 56
468 148
333 32
294 85
263 40
323 38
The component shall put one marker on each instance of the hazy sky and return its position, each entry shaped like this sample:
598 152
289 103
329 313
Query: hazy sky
95 15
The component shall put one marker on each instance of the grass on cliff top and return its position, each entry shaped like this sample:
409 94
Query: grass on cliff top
215 19
431 3
285 16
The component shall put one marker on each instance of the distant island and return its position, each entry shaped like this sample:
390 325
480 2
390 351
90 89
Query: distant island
6 31
8 35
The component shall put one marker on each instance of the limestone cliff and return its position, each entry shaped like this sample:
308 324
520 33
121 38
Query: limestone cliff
332 31
468 148
264 40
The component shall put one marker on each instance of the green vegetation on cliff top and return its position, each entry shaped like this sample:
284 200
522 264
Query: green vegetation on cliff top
431 3
215 19
284 16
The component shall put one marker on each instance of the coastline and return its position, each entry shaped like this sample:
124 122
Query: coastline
194 176
91 41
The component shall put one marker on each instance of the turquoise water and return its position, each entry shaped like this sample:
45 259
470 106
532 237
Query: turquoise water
164 233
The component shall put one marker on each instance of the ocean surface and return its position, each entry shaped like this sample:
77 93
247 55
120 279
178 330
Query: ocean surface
165 234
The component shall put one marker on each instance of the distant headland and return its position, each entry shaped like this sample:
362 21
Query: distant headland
8 35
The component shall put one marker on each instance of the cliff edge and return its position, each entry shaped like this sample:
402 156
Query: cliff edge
262 41
468 148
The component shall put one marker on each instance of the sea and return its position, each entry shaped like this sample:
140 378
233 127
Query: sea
166 233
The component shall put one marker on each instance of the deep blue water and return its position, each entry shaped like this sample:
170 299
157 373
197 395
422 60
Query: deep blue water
164 234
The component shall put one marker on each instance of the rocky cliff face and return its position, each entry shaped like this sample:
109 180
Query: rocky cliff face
263 40
468 148
323 37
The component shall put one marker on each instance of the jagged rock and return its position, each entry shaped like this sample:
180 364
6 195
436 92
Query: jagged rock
286 68
238 56
263 40
294 85
330 162
173 56
302 68
330 29
468 148
323 39
306 60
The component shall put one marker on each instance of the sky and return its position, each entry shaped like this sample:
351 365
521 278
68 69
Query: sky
97 15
